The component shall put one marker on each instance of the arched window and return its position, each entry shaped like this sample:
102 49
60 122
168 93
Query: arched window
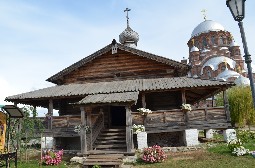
221 40
204 42
209 74
223 67
213 40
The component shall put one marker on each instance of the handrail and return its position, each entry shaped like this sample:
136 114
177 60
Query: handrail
97 127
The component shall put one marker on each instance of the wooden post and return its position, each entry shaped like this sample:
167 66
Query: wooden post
143 100
50 113
129 140
226 105
89 123
83 133
183 97
184 102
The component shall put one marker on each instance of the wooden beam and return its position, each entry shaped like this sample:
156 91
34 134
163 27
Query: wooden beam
143 100
183 97
226 105
83 133
129 139
88 111
50 114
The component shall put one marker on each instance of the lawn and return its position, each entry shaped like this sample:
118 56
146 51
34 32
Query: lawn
216 156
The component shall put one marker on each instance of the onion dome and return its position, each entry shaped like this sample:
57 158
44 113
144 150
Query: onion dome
241 80
207 26
215 61
194 48
233 44
228 74
129 37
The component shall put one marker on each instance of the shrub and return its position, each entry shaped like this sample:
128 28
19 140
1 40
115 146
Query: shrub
52 158
245 136
153 154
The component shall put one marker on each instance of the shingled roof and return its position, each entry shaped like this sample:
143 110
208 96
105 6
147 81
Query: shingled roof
106 49
126 97
136 85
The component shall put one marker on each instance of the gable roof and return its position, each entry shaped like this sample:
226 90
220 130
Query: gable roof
106 49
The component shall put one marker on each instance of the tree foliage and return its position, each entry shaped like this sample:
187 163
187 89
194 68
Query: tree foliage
26 128
240 105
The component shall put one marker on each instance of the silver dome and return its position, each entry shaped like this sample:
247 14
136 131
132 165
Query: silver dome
215 61
206 26
228 74
194 48
129 36
241 80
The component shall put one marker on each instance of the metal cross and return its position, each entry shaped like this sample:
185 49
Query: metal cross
127 10
204 13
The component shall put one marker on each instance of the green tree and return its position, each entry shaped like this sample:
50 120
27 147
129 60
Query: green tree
25 129
240 105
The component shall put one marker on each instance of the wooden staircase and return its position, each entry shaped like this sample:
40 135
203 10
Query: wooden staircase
111 141
109 149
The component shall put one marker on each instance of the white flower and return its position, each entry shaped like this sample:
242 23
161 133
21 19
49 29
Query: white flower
240 151
144 111
78 128
138 128
186 107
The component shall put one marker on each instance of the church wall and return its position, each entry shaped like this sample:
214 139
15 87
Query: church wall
120 66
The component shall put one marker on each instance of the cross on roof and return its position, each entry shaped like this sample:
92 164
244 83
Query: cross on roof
204 13
127 10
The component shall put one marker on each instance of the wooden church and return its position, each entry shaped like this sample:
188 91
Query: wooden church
103 91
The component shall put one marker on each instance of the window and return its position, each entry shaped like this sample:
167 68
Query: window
204 42
223 67
213 40
221 40
209 74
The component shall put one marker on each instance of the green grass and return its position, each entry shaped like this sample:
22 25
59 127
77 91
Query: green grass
218 156
35 164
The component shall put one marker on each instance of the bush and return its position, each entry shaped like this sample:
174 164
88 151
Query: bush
245 135
52 158
153 154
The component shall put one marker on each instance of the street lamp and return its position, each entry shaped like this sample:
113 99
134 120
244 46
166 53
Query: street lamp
237 9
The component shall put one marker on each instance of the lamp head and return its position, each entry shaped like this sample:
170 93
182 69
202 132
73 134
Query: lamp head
237 9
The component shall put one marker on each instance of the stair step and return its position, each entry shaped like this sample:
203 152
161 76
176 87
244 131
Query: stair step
113 141
111 137
114 130
107 152
116 156
102 163
112 133
111 146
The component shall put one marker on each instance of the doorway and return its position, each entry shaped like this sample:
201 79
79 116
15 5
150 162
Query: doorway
118 116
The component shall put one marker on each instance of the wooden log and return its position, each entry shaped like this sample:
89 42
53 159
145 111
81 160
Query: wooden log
83 133
129 139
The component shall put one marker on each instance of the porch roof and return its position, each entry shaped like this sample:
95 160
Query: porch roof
198 88
126 97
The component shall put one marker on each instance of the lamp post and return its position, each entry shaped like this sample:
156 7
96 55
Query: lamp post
237 9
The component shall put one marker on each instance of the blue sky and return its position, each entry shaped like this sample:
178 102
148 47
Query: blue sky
40 38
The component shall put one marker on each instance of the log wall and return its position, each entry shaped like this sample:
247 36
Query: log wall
178 120
120 66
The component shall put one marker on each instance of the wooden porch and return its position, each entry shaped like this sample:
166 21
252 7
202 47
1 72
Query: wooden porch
179 120
157 122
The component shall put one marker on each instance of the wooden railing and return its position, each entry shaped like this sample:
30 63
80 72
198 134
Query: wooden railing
177 119
63 126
